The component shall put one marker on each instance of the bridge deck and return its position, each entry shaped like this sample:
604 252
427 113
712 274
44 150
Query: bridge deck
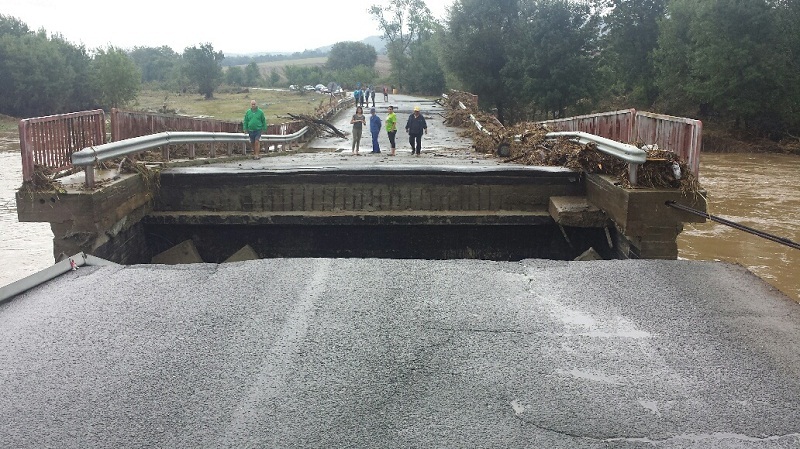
402 353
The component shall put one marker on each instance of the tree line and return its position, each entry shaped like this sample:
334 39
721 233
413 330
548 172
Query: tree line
733 61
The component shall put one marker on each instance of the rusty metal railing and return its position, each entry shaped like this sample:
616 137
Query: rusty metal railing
614 125
50 141
682 136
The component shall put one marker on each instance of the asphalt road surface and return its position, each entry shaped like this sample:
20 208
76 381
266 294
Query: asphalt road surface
368 353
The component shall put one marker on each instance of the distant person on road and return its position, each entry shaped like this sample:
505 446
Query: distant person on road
357 95
385 94
374 128
415 127
366 97
255 123
391 126
372 94
358 121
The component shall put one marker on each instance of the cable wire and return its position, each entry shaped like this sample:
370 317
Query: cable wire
741 227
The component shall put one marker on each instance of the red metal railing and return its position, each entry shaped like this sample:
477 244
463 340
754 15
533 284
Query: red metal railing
614 125
128 124
50 141
679 135
682 136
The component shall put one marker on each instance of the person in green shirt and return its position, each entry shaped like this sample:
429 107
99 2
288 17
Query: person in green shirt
391 127
254 124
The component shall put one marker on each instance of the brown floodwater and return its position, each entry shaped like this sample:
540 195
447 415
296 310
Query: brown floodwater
760 191
25 248
757 190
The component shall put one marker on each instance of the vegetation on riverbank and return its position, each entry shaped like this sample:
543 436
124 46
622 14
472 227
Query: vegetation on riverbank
8 125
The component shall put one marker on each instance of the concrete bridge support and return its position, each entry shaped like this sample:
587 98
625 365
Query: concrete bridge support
399 211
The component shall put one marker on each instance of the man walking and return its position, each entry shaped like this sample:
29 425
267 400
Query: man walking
255 122
375 130
415 127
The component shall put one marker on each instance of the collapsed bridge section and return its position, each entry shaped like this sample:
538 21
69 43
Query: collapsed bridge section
400 211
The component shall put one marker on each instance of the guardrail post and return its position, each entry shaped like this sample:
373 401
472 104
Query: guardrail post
191 151
244 148
165 152
632 173
213 149
89 176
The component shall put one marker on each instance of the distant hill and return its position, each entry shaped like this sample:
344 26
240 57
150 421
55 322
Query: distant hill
244 59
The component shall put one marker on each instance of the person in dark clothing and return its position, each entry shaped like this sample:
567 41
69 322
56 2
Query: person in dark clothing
415 127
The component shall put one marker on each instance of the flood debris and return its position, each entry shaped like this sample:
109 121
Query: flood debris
526 143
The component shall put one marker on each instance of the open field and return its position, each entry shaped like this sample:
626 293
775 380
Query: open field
230 106
8 124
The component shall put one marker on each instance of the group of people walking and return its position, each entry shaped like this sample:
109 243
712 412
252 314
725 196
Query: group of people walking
255 124
367 94
415 127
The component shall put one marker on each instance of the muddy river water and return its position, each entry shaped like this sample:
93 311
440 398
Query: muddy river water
757 190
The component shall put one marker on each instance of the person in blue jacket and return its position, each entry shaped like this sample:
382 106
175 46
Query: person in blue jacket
375 130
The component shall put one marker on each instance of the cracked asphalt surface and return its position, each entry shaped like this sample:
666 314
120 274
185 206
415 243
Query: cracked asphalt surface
402 353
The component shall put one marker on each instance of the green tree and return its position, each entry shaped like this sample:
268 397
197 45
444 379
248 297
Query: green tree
551 60
735 61
235 76
475 48
631 35
202 66
274 77
428 74
36 78
252 74
344 55
13 26
117 79
156 64
788 16
673 56
304 75
404 23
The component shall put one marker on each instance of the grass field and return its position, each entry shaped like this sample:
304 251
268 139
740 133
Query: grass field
230 106
8 124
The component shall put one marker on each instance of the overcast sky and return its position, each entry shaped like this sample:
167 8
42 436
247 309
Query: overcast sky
264 26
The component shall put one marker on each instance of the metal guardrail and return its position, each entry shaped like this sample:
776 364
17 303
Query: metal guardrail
87 157
632 155
69 264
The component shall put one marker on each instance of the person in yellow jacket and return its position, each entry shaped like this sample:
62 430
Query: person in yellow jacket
391 127
255 123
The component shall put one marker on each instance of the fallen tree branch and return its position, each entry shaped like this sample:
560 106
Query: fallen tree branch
319 126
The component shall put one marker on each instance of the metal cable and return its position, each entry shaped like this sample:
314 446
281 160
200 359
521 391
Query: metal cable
762 234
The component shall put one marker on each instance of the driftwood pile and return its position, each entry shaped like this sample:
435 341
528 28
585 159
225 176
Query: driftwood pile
525 143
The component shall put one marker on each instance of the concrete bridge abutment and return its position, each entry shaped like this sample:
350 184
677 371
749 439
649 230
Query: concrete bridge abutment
433 212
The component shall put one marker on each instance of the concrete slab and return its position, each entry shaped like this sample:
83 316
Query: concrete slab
402 353
184 252
246 253
576 211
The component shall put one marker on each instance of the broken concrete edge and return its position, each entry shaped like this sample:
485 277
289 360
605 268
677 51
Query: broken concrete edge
182 253
589 254
246 253
68 264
